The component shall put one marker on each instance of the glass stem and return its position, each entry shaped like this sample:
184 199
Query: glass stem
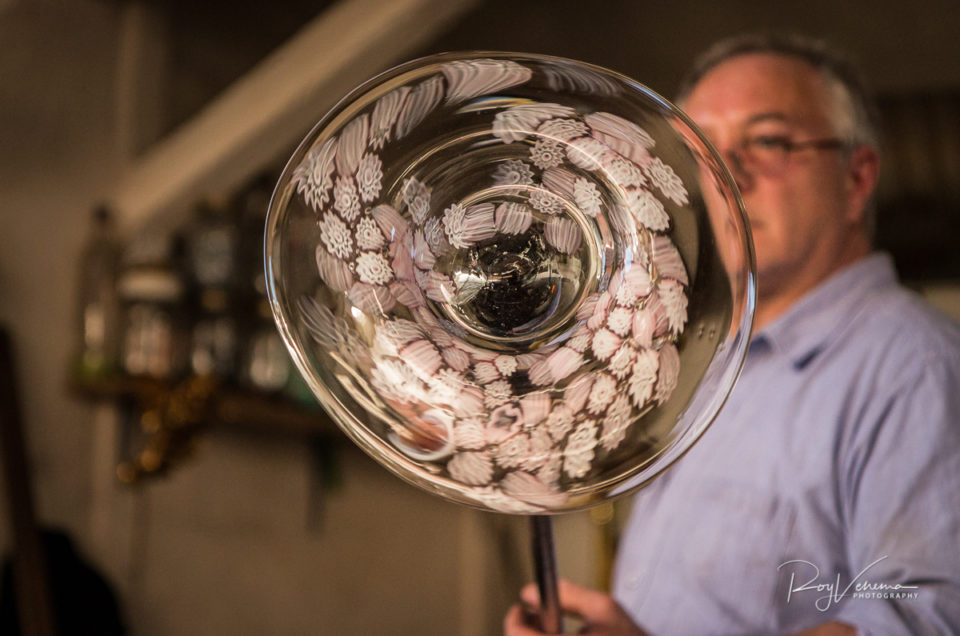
545 564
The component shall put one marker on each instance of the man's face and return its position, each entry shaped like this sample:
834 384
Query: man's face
803 210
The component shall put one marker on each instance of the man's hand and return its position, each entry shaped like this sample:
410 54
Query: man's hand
601 615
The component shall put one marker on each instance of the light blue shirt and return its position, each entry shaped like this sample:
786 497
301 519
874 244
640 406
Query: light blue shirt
838 455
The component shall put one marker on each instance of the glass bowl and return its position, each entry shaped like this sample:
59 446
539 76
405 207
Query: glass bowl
520 282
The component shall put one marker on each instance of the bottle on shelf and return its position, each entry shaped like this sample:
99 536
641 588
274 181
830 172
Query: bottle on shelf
267 365
214 338
212 250
98 315
152 292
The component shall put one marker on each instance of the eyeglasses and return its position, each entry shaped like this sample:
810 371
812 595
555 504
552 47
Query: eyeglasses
769 154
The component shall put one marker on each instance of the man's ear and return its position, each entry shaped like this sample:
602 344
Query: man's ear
863 170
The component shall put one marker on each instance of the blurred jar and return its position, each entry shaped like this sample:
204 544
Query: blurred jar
98 315
267 365
152 294
212 251
213 345
212 246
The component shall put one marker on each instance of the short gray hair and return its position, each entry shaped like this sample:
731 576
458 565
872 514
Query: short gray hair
858 122
855 112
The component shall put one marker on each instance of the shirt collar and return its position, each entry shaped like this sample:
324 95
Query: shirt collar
817 318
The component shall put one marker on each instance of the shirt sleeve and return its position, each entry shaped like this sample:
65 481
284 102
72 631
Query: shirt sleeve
900 493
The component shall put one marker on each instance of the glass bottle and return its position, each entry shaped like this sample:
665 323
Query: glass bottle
214 336
212 259
152 294
98 315
267 366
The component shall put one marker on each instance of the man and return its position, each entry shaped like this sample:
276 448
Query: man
825 499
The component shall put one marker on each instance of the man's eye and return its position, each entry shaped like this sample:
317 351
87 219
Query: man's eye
769 142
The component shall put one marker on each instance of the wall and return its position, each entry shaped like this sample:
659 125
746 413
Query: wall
56 157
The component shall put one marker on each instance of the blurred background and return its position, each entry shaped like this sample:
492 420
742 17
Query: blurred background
139 141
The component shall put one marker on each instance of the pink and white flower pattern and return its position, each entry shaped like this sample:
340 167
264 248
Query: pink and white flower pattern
469 434
373 268
550 472
643 378
433 232
578 391
422 99
546 201
485 372
530 488
561 181
621 361
587 196
669 372
497 393
560 422
546 153
336 236
625 173
562 129
369 175
667 260
674 302
385 114
541 447
667 181
563 234
471 468
616 423
517 122
506 365
353 139
513 218
514 446
479 223
417 197
513 172
375 300
602 393
605 344
535 408
368 234
514 451
470 78
345 199
334 272
314 176
580 449
580 340
586 153
648 210
454 224
635 285
620 321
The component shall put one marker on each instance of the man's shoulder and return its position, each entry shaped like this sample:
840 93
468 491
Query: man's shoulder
897 341
899 319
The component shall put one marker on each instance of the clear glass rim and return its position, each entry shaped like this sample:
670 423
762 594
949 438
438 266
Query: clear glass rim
729 362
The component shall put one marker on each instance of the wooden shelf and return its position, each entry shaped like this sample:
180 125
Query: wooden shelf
227 407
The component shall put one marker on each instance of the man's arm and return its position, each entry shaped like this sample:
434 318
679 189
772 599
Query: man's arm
901 505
